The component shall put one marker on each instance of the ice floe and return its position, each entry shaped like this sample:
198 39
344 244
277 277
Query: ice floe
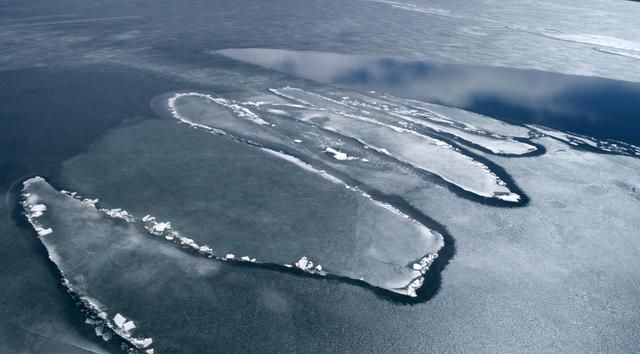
36 189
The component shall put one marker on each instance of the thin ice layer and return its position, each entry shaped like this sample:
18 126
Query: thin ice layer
243 200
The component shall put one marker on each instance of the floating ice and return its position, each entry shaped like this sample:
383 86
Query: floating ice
119 320
402 144
339 155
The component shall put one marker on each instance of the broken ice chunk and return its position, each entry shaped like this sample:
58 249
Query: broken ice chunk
129 326
205 249
107 335
119 320
304 263
90 202
44 232
119 214
161 227
415 285
142 343
339 155
37 210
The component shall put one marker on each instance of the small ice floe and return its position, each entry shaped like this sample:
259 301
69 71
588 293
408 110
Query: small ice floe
298 141
339 155
119 214
248 259
229 256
